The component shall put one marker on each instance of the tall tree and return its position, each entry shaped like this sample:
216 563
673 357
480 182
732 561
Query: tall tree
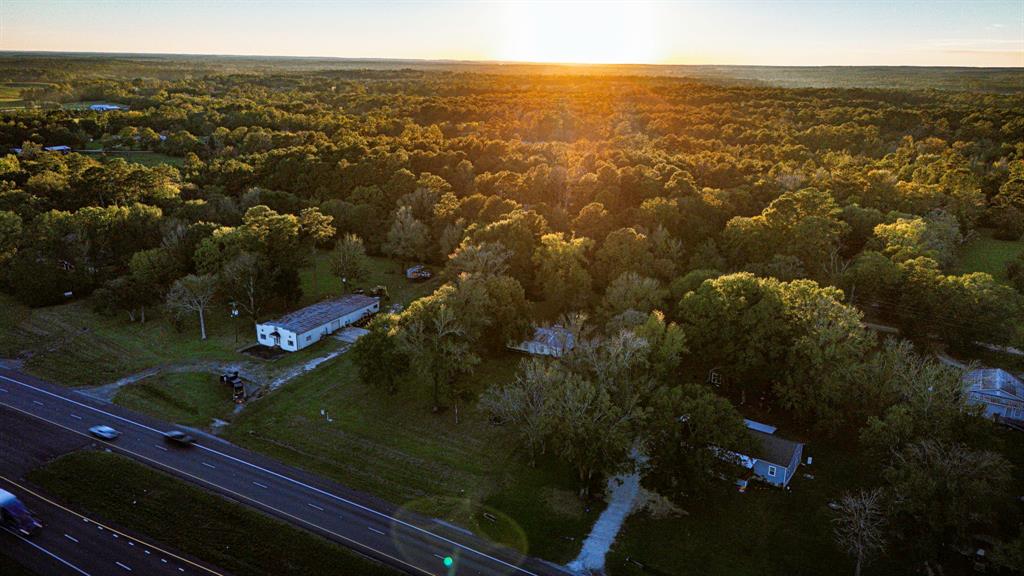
858 526
348 260
193 293
315 229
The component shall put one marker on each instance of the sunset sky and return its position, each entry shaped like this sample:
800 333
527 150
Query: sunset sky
975 33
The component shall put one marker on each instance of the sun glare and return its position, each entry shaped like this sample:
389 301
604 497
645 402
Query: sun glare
605 33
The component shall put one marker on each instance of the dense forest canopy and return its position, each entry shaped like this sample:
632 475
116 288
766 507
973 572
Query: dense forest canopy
676 225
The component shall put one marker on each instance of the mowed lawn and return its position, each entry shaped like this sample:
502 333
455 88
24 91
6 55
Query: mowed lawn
987 254
192 398
381 272
70 344
396 448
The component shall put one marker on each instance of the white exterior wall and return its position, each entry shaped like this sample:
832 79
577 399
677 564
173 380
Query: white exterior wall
294 342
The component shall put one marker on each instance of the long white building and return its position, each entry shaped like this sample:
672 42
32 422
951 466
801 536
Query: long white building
299 329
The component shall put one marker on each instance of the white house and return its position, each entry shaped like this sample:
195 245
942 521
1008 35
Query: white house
303 327
551 341
998 391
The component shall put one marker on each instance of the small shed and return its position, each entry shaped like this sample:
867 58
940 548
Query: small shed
1000 393
547 341
61 149
304 327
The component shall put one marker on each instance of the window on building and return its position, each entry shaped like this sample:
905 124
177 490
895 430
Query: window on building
308 337
772 470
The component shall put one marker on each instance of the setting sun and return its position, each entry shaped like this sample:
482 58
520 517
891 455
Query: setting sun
612 33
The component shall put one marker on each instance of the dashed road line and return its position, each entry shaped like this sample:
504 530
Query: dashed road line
260 485
76 416
314 506
125 566
208 465
372 529
72 538
37 402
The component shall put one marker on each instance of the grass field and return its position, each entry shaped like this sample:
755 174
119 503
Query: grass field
189 519
987 254
394 447
382 271
192 398
73 345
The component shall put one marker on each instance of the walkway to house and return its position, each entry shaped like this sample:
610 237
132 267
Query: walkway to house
623 490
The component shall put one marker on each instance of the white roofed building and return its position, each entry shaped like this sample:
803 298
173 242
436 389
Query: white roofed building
299 329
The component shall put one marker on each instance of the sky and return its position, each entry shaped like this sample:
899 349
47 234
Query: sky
793 32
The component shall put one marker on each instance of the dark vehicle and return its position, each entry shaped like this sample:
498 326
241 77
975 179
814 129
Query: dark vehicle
178 437
16 516
237 386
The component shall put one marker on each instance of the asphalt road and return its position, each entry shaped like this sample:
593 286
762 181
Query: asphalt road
410 543
73 544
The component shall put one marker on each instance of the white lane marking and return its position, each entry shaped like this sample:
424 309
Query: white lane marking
314 506
160 447
260 485
99 527
114 535
438 556
164 560
208 465
130 543
37 402
3 389
72 538
147 552
372 529
50 554
181 569
123 566
76 416
286 478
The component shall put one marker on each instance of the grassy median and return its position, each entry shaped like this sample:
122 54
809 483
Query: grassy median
191 520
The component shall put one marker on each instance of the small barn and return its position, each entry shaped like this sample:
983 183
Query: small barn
304 327
547 341
772 459
1000 393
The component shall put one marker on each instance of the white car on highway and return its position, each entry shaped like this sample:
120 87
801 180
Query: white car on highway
104 432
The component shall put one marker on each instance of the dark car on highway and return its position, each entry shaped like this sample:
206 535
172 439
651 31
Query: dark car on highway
15 516
178 437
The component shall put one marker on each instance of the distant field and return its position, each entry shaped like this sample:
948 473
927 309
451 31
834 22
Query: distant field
987 254
191 398
224 533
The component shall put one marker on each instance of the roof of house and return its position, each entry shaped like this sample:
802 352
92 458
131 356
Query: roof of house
994 382
554 337
773 449
60 148
321 313
759 426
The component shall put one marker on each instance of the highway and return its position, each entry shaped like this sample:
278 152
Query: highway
73 544
412 544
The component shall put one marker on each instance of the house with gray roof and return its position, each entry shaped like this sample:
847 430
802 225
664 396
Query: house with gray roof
772 459
547 341
1000 393
299 329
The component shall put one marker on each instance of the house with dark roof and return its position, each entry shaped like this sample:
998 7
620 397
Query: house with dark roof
772 459
547 341
1000 393
299 329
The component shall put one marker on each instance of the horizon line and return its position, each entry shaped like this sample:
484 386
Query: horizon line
495 62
